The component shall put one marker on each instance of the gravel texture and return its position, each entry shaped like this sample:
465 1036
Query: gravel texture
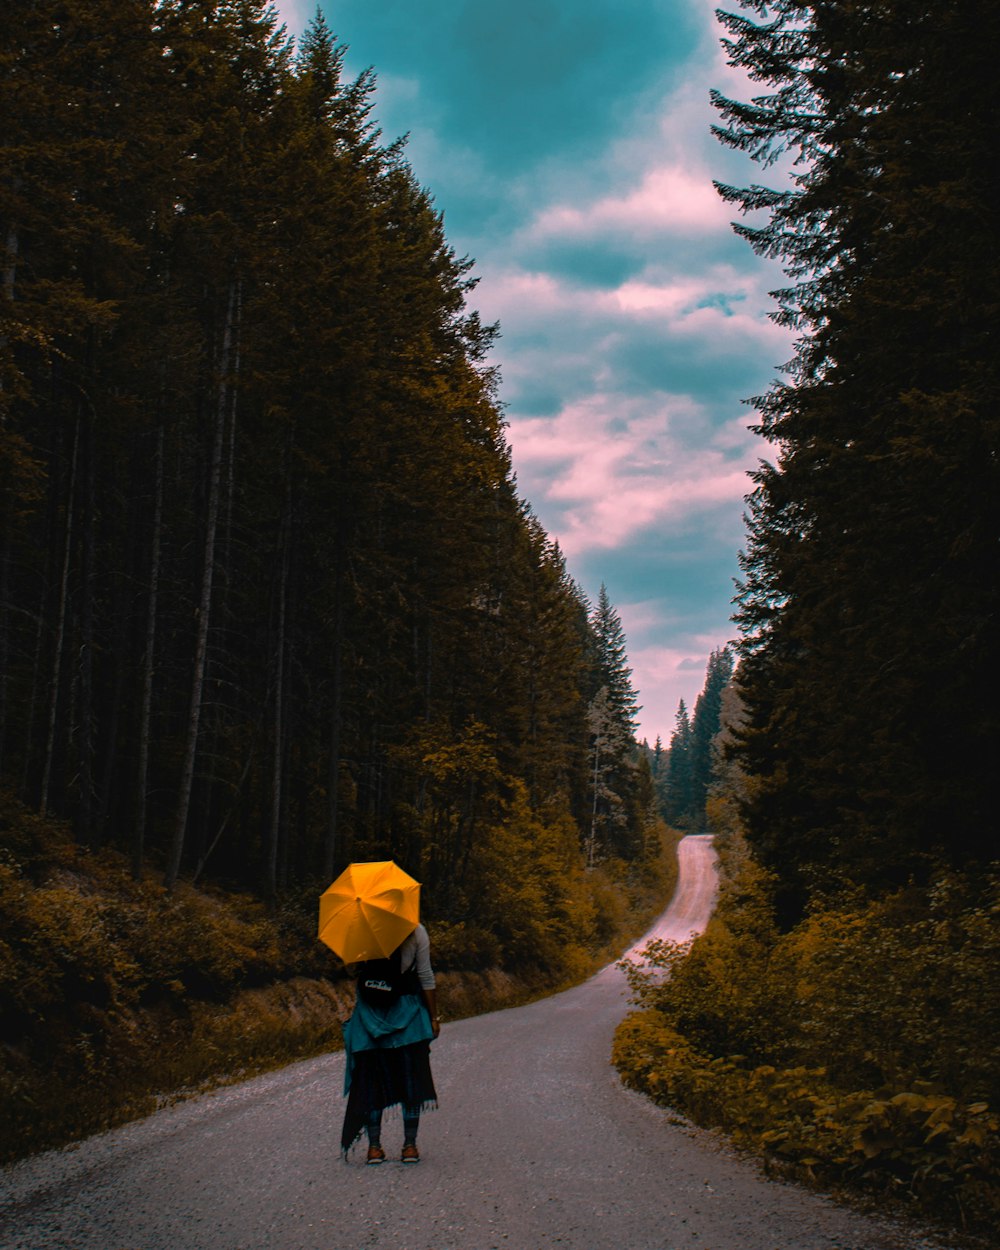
536 1144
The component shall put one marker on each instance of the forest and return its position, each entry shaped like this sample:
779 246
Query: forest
269 598
840 1015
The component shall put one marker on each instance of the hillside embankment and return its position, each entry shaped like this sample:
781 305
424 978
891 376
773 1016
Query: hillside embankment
858 1051
117 997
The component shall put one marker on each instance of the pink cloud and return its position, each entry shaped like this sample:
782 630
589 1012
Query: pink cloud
669 199
295 14
610 467
718 299
666 674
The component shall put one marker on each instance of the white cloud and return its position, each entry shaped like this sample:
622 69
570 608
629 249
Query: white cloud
525 299
296 14
674 199
609 468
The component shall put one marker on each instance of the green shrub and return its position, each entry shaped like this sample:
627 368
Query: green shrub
464 946
863 1045
940 1152
115 994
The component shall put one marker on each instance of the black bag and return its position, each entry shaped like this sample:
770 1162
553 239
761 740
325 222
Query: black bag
381 981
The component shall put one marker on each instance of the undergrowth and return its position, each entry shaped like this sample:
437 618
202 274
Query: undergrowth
116 996
861 1049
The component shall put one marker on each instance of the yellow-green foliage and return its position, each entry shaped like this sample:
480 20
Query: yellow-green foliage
864 1044
529 883
942 1151
108 985
114 994
531 903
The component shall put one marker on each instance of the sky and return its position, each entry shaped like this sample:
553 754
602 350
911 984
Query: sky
568 145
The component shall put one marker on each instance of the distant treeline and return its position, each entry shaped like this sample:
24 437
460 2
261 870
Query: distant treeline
684 770
269 599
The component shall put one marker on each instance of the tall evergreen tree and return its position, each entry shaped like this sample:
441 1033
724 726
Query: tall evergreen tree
689 758
705 726
678 787
612 716
268 597
611 668
869 601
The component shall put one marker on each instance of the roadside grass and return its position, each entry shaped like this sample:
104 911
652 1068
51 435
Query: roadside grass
860 1051
117 998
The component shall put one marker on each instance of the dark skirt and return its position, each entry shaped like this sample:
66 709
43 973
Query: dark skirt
388 1077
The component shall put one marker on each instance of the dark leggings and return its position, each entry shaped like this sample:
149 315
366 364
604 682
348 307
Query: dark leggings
411 1122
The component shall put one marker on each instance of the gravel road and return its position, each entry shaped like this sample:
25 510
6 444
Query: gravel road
536 1144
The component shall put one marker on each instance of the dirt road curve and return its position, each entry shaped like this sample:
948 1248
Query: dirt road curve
536 1145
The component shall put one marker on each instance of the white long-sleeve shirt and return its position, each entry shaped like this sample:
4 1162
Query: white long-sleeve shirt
415 952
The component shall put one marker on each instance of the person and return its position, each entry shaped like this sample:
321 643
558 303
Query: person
387 1049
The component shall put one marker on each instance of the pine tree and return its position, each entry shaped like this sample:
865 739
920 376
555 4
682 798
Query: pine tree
704 727
678 786
610 662
609 749
728 790
268 597
612 713
869 599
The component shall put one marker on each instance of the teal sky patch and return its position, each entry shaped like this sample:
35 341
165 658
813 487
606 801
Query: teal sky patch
568 144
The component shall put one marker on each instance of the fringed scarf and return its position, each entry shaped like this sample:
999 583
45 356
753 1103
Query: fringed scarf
387 1063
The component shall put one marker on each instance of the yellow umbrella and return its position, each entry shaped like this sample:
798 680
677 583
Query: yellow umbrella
368 911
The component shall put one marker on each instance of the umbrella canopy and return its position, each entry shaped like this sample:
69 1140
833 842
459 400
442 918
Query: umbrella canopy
368 911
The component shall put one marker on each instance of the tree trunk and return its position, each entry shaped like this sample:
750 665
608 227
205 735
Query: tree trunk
336 714
5 626
592 839
7 294
60 630
205 600
85 659
11 246
223 824
8 274
278 754
148 662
